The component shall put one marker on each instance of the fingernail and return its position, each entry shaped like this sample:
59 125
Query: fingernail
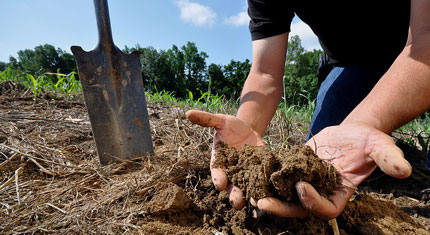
302 192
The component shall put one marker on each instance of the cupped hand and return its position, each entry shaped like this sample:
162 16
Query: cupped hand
235 133
354 150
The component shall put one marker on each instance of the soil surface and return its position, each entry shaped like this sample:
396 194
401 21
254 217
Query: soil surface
52 183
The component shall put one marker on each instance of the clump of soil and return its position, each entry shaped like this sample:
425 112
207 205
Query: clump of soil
169 199
260 173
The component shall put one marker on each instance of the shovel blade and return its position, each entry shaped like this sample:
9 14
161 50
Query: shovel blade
115 99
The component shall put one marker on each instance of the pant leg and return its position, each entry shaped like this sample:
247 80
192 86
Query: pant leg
342 90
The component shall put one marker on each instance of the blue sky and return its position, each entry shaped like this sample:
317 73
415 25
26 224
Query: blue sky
218 27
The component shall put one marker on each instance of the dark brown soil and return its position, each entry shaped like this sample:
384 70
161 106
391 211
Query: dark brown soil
260 173
52 183
366 215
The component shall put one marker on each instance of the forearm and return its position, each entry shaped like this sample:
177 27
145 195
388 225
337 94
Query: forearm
260 98
403 92
262 90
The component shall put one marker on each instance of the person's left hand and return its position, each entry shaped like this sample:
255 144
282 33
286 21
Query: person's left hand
354 150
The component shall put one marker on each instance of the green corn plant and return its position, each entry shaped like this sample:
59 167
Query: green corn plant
68 84
7 75
54 87
209 91
35 85
10 74
215 103
190 96
72 85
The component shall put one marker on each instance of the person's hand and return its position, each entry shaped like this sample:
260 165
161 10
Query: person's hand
354 150
235 133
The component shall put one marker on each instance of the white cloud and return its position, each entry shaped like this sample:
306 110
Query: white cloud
240 19
196 13
309 39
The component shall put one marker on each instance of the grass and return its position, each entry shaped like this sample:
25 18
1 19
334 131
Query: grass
415 132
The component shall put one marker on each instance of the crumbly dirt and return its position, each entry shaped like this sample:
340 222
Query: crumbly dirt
260 173
52 183
367 215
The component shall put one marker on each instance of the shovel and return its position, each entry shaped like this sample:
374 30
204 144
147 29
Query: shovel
114 95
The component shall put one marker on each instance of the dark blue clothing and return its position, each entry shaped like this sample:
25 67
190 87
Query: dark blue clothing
342 90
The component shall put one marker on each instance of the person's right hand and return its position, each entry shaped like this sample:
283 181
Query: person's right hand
235 133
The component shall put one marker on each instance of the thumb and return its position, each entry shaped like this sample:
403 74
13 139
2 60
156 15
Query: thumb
205 119
391 160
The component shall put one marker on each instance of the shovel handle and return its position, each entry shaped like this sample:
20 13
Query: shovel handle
103 24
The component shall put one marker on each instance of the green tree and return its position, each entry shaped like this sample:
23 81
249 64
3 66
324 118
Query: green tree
301 80
235 74
44 58
156 68
184 69
3 65
176 58
216 76
195 68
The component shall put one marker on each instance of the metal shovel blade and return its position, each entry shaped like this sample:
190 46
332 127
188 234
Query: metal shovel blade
114 95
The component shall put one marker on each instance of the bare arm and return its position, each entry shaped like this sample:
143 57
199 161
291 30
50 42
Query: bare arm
403 92
262 90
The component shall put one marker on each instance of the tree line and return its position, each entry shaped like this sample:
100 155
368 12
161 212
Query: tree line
181 70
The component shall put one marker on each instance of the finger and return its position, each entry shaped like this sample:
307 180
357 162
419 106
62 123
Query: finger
391 161
205 119
281 208
237 200
321 206
219 178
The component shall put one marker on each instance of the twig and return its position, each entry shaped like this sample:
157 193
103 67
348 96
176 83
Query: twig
4 155
74 185
16 184
334 226
8 160
179 153
15 150
7 182
125 225
43 169
55 207
34 118
89 171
